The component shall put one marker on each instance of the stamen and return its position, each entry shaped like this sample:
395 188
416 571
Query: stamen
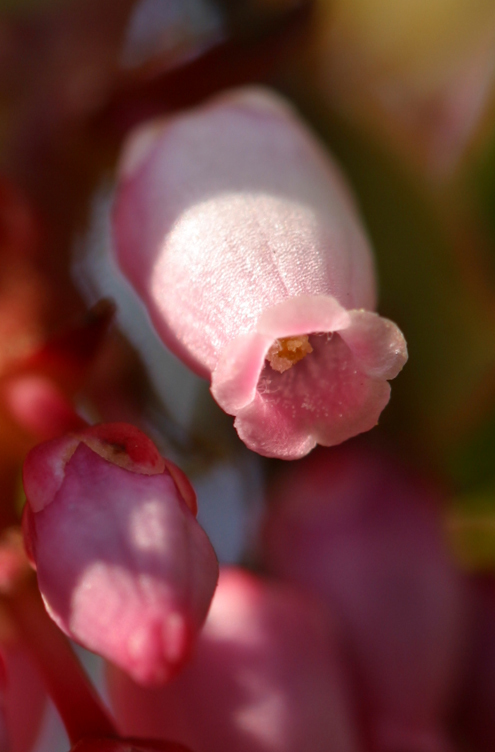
287 351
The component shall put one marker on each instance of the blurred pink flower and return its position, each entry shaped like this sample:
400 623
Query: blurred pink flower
421 73
123 566
265 676
243 240
474 716
353 526
39 406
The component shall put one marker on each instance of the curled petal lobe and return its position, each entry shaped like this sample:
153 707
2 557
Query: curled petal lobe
123 566
376 343
242 238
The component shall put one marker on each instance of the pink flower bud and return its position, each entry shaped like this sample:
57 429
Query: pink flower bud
265 676
240 235
123 566
354 527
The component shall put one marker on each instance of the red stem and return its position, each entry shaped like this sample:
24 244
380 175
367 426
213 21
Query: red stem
66 682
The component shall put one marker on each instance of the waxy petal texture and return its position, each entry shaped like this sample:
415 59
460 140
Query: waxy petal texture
242 238
115 543
265 676
355 528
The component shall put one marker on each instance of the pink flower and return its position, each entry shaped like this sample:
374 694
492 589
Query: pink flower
265 676
354 527
240 235
110 526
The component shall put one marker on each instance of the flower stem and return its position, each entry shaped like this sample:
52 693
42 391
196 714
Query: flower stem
66 682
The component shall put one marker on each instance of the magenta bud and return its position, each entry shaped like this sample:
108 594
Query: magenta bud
123 566
243 240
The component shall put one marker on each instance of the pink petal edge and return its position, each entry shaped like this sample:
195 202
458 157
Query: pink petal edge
376 350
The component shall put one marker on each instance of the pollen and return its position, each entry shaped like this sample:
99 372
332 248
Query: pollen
287 351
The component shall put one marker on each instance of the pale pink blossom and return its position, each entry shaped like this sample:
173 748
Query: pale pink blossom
354 527
265 676
242 238
111 528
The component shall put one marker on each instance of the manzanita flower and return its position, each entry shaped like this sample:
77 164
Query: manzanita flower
240 235
265 675
359 530
123 566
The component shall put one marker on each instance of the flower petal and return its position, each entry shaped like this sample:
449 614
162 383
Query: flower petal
323 399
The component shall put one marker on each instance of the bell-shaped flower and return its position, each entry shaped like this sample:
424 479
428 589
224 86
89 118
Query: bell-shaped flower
123 566
353 526
265 675
241 236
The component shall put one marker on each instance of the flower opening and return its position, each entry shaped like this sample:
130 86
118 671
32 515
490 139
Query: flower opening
287 351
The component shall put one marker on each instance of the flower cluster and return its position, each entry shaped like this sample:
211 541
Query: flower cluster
353 609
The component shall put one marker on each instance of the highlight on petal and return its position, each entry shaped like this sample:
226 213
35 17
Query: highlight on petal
123 566
265 675
242 238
